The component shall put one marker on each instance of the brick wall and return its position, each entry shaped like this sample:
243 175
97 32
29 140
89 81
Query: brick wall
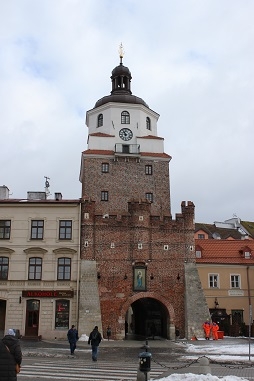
112 243
126 178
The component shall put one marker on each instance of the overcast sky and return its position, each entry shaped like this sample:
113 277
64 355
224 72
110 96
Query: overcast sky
192 61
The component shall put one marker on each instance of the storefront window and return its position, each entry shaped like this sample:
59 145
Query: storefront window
62 314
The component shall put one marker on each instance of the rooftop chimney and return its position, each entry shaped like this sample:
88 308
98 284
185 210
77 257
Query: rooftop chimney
4 192
58 196
36 195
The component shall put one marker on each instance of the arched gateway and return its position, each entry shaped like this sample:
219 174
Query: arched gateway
148 315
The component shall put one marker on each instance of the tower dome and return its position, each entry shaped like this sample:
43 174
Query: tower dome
121 87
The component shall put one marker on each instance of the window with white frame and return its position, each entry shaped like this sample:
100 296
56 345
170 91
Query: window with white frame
37 229
213 280
247 254
235 281
65 229
198 253
125 117
64 269
35 268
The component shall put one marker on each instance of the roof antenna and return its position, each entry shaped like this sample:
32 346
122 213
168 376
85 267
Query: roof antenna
121 53
47 186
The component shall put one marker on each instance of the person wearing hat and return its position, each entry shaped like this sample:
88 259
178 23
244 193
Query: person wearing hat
72 336
10 356
95 339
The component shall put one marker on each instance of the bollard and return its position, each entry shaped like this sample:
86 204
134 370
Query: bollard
204 366
144 364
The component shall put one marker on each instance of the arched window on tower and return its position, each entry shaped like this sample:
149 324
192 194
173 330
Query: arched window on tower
125 117
100 120
148 123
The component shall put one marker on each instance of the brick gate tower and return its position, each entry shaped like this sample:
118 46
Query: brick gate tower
138 272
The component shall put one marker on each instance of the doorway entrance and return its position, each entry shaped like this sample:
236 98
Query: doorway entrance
2 316
146 318
32 317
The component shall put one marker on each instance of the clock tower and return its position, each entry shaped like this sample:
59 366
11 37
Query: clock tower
133 254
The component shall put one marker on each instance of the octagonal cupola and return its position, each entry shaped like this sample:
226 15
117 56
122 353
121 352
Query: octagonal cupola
121 86
121 77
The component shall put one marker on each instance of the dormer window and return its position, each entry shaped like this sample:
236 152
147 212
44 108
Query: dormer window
100 120
148 123
245 252
198 252
125 117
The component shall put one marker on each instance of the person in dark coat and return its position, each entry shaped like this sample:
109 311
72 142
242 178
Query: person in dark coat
108 332
72 338
10 355
94 340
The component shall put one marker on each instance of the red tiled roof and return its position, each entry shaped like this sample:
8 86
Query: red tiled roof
108 152
150 137
156 154
215 251
102 135
98 152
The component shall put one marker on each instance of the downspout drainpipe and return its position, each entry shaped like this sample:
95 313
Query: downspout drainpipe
250 307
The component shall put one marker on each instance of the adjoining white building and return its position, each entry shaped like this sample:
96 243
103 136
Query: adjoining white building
39 264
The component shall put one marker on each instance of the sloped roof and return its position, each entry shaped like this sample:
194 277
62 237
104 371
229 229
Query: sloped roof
249 226
224 233
150 137
98 152
224 251
102 134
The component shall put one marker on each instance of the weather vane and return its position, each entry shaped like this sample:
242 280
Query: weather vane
121 52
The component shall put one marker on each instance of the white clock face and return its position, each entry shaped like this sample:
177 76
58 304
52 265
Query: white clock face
125 134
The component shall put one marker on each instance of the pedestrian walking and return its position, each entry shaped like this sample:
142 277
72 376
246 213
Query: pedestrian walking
108 332
215 329
10 357
72 336
94 340
177 333
207 329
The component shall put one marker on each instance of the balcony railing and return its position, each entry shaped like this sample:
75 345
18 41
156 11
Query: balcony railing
127 149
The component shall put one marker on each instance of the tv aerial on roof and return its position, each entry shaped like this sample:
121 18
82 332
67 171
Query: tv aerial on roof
46 181
47 191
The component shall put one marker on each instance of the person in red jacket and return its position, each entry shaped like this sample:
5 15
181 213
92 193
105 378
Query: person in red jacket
215 329
207 329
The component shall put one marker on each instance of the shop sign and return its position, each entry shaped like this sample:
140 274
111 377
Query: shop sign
48 294
235 292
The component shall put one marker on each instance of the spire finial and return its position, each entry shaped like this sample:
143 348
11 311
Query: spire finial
121 53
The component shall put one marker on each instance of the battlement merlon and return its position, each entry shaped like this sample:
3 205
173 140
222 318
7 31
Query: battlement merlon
187 207
187 215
